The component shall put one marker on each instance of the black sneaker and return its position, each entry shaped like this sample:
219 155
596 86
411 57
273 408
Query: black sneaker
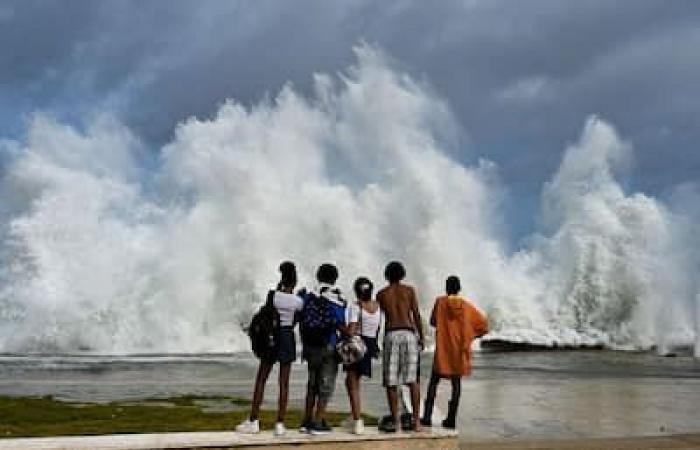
317 428
406 421
387 424
305 426
449 424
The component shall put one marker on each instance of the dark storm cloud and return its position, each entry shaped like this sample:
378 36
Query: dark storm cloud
520 76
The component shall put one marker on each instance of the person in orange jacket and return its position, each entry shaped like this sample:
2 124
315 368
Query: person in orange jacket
457 323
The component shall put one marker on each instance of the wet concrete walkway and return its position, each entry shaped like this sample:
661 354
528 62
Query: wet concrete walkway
434 439
430 439
676 442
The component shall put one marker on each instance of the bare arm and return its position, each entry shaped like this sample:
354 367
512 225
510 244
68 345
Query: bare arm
417 320
353 328
382 308
349 329
352 325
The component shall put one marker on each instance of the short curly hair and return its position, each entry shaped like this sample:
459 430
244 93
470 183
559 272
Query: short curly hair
394 272
327 273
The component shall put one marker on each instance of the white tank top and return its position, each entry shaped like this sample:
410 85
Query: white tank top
370 322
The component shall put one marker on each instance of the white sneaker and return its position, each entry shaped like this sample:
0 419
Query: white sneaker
358 426
280 430
248 427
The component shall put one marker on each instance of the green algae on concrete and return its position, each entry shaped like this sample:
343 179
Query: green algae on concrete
47 416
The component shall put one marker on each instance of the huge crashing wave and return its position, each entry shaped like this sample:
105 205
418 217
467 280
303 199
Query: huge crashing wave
104 250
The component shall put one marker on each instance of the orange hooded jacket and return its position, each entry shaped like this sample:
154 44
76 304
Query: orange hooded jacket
457 323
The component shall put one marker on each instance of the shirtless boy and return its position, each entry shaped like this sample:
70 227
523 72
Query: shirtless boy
403 342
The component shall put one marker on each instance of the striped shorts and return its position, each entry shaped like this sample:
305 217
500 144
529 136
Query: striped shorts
401 357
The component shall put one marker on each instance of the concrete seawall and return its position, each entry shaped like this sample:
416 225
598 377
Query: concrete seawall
432 439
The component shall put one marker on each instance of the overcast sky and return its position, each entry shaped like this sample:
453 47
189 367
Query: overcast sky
520 77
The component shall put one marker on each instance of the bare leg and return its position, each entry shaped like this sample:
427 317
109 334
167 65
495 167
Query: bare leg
259 391
352 383
285 370
321 410
392 396
415 404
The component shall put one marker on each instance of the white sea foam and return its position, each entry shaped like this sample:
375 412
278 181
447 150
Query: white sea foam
103 253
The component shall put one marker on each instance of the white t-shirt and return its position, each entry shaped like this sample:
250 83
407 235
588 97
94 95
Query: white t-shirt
287 305
370 321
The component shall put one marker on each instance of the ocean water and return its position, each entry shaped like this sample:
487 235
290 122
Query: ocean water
510 395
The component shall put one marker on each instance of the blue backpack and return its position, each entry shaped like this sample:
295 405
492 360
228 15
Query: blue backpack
318 321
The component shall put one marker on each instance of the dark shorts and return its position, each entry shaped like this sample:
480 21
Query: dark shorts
323 370
286 347
364 366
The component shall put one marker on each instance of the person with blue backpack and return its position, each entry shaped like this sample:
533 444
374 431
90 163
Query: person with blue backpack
272 338
322 323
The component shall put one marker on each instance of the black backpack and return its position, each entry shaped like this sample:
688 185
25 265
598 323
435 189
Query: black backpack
264 330
318 321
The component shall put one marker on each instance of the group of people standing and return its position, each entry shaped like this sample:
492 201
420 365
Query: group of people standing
330 328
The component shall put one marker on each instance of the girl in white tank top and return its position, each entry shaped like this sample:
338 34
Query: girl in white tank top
369 321
364 317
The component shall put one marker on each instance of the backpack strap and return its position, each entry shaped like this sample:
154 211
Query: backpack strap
359 318
270 298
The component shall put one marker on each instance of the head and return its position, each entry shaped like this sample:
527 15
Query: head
327 273
363 289
452 285
288 274
394 272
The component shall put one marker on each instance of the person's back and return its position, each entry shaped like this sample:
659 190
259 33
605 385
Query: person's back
403 342
280 325
363 319
457 322
287 305
397 302
323 316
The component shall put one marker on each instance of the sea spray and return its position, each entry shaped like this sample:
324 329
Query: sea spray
683 268
697 326
102 254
